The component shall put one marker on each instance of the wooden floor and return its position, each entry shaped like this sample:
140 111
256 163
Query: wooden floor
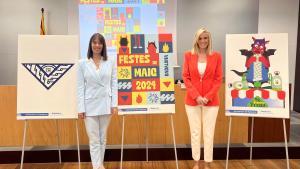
233 164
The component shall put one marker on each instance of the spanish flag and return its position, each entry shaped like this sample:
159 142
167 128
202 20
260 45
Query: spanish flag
42 25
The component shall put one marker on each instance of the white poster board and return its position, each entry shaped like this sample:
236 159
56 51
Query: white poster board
257 83
47 76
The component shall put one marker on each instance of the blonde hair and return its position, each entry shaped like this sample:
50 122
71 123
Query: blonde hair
196 49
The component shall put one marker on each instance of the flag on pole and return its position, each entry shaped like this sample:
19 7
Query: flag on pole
42 25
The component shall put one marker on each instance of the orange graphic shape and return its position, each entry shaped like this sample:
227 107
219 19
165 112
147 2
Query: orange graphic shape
139 99
167 83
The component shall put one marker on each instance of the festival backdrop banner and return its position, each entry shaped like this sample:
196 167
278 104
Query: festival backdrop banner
113 17
47 76
257 83
145 74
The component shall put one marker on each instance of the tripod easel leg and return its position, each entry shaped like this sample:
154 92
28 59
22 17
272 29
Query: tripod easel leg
286 146
146 139
251 144
58 141
228 142
174 142
122 144
78 149
23 145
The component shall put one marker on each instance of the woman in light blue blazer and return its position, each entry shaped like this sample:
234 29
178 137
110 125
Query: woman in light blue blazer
97 96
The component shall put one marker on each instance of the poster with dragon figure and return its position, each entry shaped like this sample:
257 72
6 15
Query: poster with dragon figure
145 74
257 83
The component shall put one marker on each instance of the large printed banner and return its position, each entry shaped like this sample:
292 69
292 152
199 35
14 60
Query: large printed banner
145 74
113 17
257 83
47 77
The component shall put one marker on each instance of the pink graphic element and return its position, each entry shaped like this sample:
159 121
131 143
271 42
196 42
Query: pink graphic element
129 12
137 41
114 13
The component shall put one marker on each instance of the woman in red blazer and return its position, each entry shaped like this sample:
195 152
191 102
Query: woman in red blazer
202 75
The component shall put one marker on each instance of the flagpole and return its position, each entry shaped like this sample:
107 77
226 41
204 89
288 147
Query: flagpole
42 25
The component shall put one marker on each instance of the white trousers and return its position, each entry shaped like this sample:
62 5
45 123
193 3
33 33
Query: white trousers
96 128
206 116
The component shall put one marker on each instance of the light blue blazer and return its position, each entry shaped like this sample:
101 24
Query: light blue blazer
97 91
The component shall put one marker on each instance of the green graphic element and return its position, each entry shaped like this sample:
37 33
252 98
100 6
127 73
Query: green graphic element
257 84
257 102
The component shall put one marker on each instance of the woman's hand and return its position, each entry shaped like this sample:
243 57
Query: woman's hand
81 115
205 100
202 100
114 110
199 100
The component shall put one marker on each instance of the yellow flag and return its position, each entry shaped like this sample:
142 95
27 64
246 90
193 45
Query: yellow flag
42 25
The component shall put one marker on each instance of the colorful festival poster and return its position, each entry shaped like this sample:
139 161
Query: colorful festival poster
145 74
257 83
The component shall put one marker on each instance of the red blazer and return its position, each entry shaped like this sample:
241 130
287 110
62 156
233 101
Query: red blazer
206 86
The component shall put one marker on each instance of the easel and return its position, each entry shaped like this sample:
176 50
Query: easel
146 139
58 142
251 144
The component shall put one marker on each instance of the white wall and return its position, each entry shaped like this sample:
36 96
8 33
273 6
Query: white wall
278 16
219 17
23 17
73 17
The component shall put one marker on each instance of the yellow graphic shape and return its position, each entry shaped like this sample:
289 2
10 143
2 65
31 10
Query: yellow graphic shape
107 13
165 48
136 28
161 22
91 1
139 98
145 1
166 84
129 16
107 29
124 72
113 42
115 1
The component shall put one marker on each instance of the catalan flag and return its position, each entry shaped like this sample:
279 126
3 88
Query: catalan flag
42 25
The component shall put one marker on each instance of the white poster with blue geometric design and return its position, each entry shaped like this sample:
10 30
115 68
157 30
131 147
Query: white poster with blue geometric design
47 76
257 83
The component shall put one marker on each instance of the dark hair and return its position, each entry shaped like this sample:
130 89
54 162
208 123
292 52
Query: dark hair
102 41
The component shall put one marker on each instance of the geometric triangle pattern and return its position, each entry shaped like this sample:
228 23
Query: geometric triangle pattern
47 73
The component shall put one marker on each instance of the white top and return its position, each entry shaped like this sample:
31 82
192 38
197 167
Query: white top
93 63
201 67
